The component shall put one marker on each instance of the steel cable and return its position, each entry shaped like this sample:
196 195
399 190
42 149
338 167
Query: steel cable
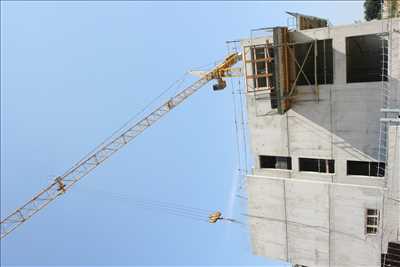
156 204
176 83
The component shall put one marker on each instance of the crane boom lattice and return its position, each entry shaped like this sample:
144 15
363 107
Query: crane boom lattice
62 183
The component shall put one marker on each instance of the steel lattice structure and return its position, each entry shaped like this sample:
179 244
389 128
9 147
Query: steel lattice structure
64 182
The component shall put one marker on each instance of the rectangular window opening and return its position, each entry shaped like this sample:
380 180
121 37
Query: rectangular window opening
274 162
366 55
262 66
262 82
259 52
324 63
366 168
317 165
371 221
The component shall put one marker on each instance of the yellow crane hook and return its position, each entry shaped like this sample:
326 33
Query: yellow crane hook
214 217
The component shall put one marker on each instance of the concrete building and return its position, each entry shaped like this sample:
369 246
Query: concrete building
391 8
323 116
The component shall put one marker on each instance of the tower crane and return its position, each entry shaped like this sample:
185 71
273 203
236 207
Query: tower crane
64 182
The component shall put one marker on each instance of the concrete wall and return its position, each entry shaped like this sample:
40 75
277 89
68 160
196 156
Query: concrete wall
312 223
318 219
391 224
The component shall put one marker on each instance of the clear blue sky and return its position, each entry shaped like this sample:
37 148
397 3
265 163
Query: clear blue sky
72 73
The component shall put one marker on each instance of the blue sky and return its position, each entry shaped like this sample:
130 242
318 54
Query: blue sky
72 73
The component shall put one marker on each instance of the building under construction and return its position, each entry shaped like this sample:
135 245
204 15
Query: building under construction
323 115
323 119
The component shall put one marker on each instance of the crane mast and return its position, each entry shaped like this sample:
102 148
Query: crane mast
63 183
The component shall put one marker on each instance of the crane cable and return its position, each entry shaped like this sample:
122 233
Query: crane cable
159 206
85 166
178 83
239 130
170 208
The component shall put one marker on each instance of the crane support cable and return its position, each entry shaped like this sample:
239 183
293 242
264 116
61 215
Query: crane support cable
156 203
156 206
62 183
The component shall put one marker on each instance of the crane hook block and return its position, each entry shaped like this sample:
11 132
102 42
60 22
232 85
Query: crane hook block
221 84
214 217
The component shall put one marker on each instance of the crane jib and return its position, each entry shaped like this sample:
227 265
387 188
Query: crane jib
64 182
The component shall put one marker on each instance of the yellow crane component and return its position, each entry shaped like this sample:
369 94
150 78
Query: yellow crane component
63 183
217 216
224 70
214 217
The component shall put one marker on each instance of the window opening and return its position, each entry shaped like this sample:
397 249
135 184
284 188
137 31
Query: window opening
364 58
262 68
274 162
317 165
366 168
324 62
371 221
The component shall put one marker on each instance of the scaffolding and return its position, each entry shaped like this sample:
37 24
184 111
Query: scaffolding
390 107
278 65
